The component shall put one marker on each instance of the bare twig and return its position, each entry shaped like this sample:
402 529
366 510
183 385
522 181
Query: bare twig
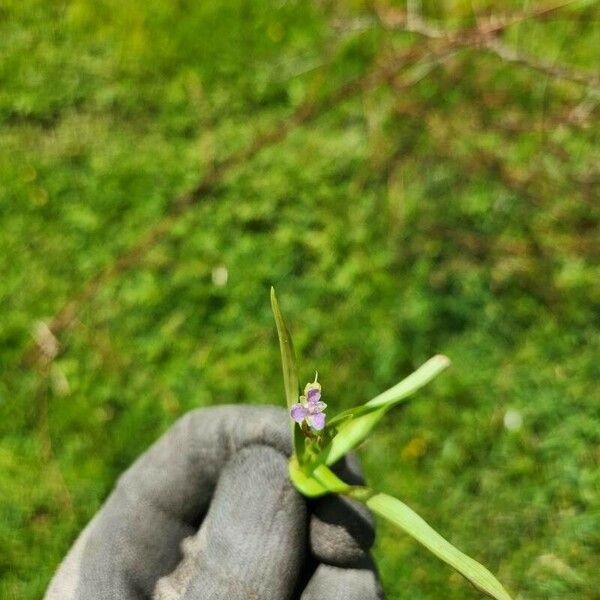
555 71
484 36
412 20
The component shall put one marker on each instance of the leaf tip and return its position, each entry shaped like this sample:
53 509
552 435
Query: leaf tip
274 304
442 360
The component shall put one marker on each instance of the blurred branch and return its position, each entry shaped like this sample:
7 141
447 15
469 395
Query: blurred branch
305 113
48 350
484 36
446 137
396 18
421 57
553 70
392 18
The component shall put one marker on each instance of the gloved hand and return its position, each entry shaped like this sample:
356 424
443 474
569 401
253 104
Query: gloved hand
208 512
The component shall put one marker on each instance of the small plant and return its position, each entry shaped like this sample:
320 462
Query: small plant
319 442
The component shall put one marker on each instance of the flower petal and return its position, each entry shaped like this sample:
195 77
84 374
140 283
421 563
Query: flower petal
298 412
316 420
316 407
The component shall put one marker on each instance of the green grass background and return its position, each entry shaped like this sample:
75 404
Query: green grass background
451 207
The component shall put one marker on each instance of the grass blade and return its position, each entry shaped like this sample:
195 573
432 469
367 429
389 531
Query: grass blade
401 391
350 434
354 425
290 372
415 381
406 519
288 357
318 482
304 482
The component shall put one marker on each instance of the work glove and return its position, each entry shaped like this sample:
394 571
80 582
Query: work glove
209 512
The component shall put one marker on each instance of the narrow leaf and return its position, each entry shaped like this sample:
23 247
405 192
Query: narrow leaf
354 425
290 372
422 376
402 390
349 435
288 358
318 482
299 442
305 483
328 479
404 517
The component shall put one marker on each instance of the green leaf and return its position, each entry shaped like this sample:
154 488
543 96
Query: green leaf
321 480
316 482
304 482
288 357
402 390
329 480
354 425
404 517
415 381
299 442
290 372
350 434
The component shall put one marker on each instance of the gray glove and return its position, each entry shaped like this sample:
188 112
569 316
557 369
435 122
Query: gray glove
208 512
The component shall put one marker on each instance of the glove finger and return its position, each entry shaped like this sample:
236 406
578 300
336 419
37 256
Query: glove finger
331 583
252 542
342 530
179 472
161 499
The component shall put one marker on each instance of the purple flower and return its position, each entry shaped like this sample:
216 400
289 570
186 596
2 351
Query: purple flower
310 408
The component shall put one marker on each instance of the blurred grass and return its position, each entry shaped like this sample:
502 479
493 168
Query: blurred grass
451 207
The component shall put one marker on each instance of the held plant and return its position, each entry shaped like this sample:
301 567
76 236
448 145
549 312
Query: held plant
320 442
